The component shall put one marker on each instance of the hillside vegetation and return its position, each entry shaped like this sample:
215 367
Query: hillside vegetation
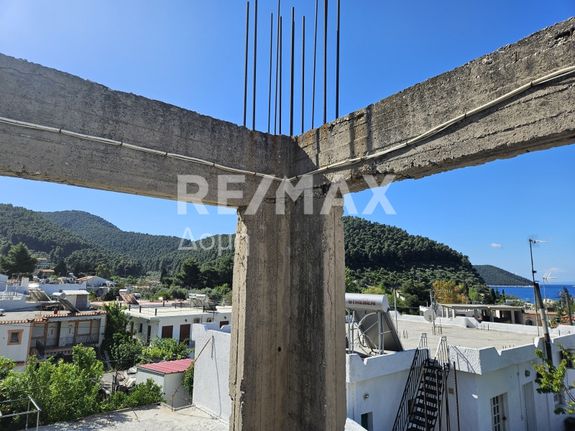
495 276
379 258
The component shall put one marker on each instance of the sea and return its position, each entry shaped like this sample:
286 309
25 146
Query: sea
525 293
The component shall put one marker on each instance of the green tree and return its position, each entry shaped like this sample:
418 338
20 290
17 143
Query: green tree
125 351
66 391
104 271
164 349
61 269
552 379
6 365
116 323
18 260
189 274
449 292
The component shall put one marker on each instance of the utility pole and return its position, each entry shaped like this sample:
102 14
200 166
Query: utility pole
567 298
539 304
395 307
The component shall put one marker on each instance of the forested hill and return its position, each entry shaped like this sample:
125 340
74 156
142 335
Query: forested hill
153 252
86 242
495 276
376 254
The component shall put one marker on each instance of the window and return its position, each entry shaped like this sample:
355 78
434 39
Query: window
15 337
498 417
141 328
197 320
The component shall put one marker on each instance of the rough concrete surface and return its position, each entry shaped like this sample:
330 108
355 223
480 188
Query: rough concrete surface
287 370
541 118
155 418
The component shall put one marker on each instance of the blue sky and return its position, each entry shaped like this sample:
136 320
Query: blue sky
190 53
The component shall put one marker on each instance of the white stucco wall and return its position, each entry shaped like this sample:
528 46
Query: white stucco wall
211 373
375 385
147 318
16 352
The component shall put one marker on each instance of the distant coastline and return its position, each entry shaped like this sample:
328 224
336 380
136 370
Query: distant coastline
525 293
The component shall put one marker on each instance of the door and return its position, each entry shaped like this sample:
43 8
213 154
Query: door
185 333
498 415
167 331
529 397
53 334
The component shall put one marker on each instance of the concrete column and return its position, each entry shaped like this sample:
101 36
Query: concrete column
287 365
513 316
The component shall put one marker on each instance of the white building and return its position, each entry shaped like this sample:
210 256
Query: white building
93 281
490 384
48 333
169 375
150 321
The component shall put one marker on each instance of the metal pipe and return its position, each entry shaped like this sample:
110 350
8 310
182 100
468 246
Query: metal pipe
292 60
337 60
277 69
270 76
314 67
539 303
246 62
255 64
456 396
326 6
302 73
280 73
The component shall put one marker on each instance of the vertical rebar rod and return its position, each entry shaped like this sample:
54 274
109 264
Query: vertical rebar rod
270 76
337 60
325 16
314 67
280 77
255 64
277 67
292 60
302 74
246 62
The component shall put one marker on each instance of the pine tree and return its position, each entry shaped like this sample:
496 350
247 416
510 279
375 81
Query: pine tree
18 261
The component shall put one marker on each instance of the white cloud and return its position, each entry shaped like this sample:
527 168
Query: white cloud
495 245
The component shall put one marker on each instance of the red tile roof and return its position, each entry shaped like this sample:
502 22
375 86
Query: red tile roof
168 367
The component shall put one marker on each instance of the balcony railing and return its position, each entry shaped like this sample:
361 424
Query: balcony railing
78 339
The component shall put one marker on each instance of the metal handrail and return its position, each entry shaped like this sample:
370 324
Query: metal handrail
442 352
412 385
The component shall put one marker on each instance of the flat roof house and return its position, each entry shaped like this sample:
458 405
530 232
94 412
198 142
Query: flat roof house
150 321
48 333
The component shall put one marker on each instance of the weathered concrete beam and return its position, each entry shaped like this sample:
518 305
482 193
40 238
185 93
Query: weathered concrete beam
543 117
287 370
40 95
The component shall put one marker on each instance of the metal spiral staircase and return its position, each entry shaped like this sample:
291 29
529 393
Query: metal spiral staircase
422 401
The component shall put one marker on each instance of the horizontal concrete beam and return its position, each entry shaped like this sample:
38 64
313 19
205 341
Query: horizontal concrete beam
540 118
40 95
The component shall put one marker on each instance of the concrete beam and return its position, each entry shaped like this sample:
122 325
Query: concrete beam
541 118
287 367
40 95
